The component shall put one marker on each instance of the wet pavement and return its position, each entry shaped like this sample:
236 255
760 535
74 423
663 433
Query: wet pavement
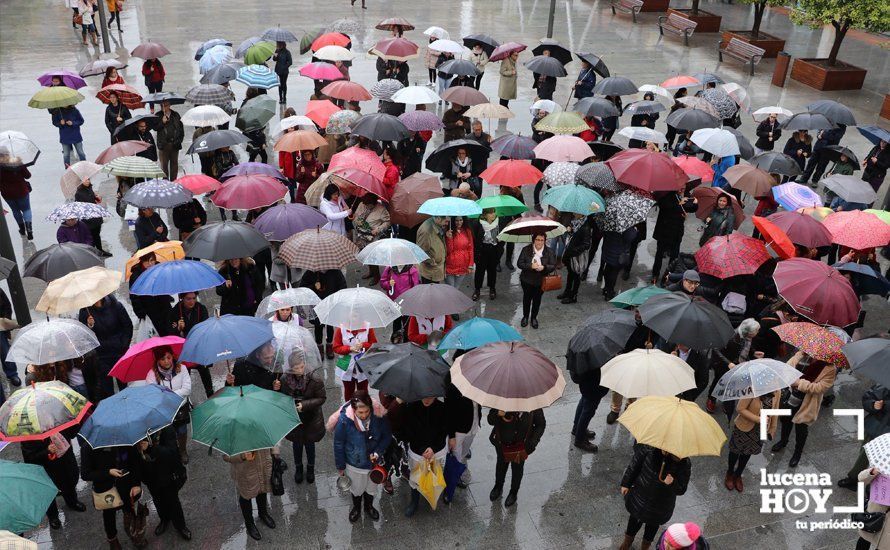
568 499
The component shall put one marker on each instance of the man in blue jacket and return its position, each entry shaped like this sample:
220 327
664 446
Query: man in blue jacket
818 161
69 120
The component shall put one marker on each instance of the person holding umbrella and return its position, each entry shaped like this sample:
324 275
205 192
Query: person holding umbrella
669 228
616 256
768 132
112 326
243 289
169 141
117 469
721 221
799 147
86 193
431 238
169 373
154 73
69 120
738 350
307 170
154 308
395 280
371 223
323 284
143 133
188 217
745 439
819 161
283 60
183 315
575 256
515 435
875 165
335 209
583 87
479 59
55 455
309 395
536 260
116 113
164 475
149 229
349 344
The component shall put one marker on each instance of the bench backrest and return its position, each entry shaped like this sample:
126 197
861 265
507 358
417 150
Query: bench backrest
744 48
681 22
632 3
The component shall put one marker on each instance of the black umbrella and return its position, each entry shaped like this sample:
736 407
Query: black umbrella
599 67
380 127
224 240
217 139
604 150
406 371
808 121
775 162
488 43
644 107
59 260
599 339
692 322
130 125
546 66
458 67
746 150
6 268
838 113
596 106
615 85
870 357
440 159
691 120
834 152
557 50
160 97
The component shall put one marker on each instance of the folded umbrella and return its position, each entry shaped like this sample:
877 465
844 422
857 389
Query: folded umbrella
139 359
717 141
318 250
406 371
696 168
224 240
409 195
731 255
249 192
58 260
395 49
869 357
817 342
449 206
198 184
850 188
673 425
680 319
380 127
464 95
391 252
131 415
45 342
793 196
421 121
27 492
801 229
624 210
78 211
637 296
176 277
210 94
707 202
347 90
320 110
166 251
691 119
38 411
511 173
225 338
205 115
547 66
750 179
432 300
775 238
598 340
575 199
217 139
817 291
78 289
357 308
560 173
514 147
477 332
647 171
68 78
808 121
645 372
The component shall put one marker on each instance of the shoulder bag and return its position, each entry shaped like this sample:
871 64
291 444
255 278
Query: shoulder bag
515 452
107 500
872 522
551 282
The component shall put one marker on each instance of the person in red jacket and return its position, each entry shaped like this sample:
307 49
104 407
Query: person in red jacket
459 257
350 344
287 160
307 171
420 328
594 130
112 77
392 160
154 74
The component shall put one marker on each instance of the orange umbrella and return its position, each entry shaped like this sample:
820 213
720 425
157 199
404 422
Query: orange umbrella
320 110
680 81
164 252
330 39
775 238
300 140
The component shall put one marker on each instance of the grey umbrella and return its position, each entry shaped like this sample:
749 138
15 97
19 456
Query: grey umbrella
834 152
547 66
725 105
706 78
157 193
692 322
596 106
615 85
808 121
746 150
459 67
380 127
850 188
224 240
432 300
838 113
691 120
59 260
624 210
599 67
6 268
488 43
644 107
242 49
406 371
345 26
222 74
599 339
870 357
217 139
210 94
277 34
775 162
597 176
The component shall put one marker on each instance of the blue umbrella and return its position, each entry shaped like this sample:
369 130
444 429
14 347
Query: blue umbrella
128 417
866 280
257 76
478 331
214 57
224 338
177 276
874 134
450 206
209 44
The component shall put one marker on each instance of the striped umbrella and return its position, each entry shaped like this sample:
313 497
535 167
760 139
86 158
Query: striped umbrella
257 76
78 211
134 167
792 196
384 89
421 121
210 94
157 193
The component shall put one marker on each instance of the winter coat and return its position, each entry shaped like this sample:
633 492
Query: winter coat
180 384
459 252
336 213
283 60
112 113
763 131
152 152
877 422
876 539
722 223
649 499
368 218
353 446
153 71
391 177
184 216
579 243
160 463
252 477
507 83
615 244
452 129
112 327
146 230
422 427
813 392
671 221
14 182
459 410
247 373
412 150
68 135
95 463
329 282
876 171
722 166
528 275
171 134
153 307
829 137
748 414
190 317
479 247
307 171
312 397
585 83
246 292
62 470
387 107
77 233
431 239
527 428
793 145
430 58
403 280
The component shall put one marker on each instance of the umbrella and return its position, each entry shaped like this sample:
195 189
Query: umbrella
775 238
515 147
437 32
731 255
249 192
198 184
834 152
817 342
596 106
357 183
318 250
157 193
345 26
598 340
58 260
858 230
225 338
884 215
458 67
511 173
877 451
641 133
477 332
391 252
488 43
662 93
76 174
691 119
311 36
503 205
692 322
319 111
68 78
807 121
139 360
217 139
764 112
78 211
680 81
776 163
127 148
253 169
874 134
563 122
801 229
464 95
55 96
545 105
444 45
449 206
360 159
334 53
150 50
557 51
870 357
45 342
283 220
750 179
380 127
214 57
696 168
128 126
221 74
707 202
409 194
547 66
16 149
624 210
491 111
716 141
818 213
865 278
432 300
420 121
755 378
746 150
643 107
210 44
636 296
224 240
725 105
357 308
506 50
40 410
644 372
302 122
415 95
673 425
508 376
99 66
599 67
302 299
647 171
78 289
27 492
604 150
738 94
396 49
210 94
257 76
127 417
386 88
347 90
575 199
835 112
398 23
615 86
329 39
244 418
176 277
205 115
792 196
817 291
850 188
521 229
406 371
277 34
560 173
440 159
166 251
258 53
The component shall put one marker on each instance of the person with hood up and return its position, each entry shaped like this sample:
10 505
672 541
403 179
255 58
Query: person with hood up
394 281
74 231
309 395
682 536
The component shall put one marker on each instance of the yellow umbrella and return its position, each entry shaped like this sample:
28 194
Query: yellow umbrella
673 425
164 252
78 289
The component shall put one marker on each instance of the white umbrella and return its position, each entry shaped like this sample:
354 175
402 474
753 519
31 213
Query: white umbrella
755 378
716 141
738 94
657 90
76 174
764 112
446 46
334 53
544 105
302 298
293 121
357 308
645 372
205 115
437 32
291 337
643 134
878 452
44 342
391 252
415 95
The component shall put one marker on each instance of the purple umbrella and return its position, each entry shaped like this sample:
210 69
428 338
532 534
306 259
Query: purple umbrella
514 147
253 169
793 196
69 78
421 121
280 222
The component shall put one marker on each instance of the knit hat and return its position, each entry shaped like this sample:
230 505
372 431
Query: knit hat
682 534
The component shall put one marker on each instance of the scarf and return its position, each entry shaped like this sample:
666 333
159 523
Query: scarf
489 231
297 384
462 163
538 254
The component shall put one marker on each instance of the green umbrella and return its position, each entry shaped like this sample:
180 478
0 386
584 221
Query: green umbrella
27 493
636 296
52 97
244 418
134 167
504 205
574 198
256 113
883 214
259 53
309 38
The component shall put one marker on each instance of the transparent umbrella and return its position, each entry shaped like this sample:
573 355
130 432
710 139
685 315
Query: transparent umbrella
357 308
45 342
293 343
301 298
755 378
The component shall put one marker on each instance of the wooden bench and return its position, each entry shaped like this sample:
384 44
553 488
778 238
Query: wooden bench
741 50
632 7
677 24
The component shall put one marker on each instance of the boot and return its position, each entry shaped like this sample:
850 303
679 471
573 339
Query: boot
645 544
795 458
496 491
21 228
356 510
262 504
247 513
29 229
182 442
310 473
114 544
626 544
515 482
412 506
329 351
298 473
162 527
729 481
369 507
781 444
739 484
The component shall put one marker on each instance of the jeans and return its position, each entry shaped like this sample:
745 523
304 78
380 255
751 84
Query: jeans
21 209
455 280
298 453
633 527
531 300
68 149
10 369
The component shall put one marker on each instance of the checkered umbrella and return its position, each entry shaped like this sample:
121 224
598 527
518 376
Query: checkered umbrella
624 210
210 94
731 255
560 173
134 167
318 250
597 175
157 193
79 211
277 34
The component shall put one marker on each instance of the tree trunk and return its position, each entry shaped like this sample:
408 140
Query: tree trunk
840 30
759 9
695 7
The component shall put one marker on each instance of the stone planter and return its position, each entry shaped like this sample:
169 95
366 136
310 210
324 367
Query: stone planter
655 5
772 44
817 74
707 22
885 108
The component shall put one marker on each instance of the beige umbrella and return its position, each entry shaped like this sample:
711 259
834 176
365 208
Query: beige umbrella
316 190
644 372
76 174
489 110
78 289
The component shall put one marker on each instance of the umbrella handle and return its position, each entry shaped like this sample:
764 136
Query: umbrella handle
210 450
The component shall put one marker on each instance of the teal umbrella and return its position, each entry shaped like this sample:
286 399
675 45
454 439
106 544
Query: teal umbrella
477 332
636 296
26 494
256 113
574 198
449 206
504 205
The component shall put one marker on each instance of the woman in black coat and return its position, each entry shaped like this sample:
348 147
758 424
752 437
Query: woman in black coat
323 284
487 251
188 217
535 261
669 227
62 470
113 468
768 133
164 475
651 484
646 120
309 395
183 315
243 289
155 308
149 229
112 326
86 193
116 113
575 257
514 436
615 257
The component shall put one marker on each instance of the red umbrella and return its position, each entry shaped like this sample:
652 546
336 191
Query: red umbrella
801 228
511 173
330 39
121 149
357 183
395 49
249 192
817 291
504 50
139 359
198 183
361 159
410 193
775 238
320 71
127 95
347 91
150 50
817 342
695 168
707 201
320 110
647 171
857 229
732 255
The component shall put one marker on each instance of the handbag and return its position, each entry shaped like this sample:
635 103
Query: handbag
277 480
515 452
872 522
107 500
78 19
551 282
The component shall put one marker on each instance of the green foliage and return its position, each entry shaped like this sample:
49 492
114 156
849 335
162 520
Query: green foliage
869 15
764 2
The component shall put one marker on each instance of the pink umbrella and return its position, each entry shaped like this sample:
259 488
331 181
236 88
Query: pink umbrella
249 192
347 91
139 359
695 168
150 50
121 149
563 149
198 184
319 111
321 71
857 229
817 291
395 49
361 159
504 50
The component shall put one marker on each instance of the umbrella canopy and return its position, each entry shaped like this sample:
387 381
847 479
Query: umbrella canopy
562 148
397 23
801 229
205 115
392 252
836 112
209 44
596 106
340 122
444 45
865 278
150 50
127 148
198 184
358 183
858 230
360 159
575 199
637 296
136 363
775 238
641 133
54 97
477 332
731 255
599 67
850 188
128 127
691 119
707 202
874 134
68 78
834 152
320 111
673 425
521 229
395 49
440 159
303 300
870 357
329 39
514 147
249 192
16 149
176 277
458 67
415 95
493 111
647 171
76 174
506 50
99 66
644 372
386 88
555 49
421 121
508 376
318 250
432 300
755 378
27 492
127 417
547 66
256 113
58 260
334 53
680 319
615 86
817 291
487 43
45 342
357 308
449 206
78 211
680 81
283 220
503 205
40 410
225 338
877 451
78 289
157 193
807 121
793 196
221 74
696 168
750 179
409 195
699 103
560 173
464 95
623 210
210 94
224 240
309 37
597 175
644 107
406 371
776 163
277 34
166 251
380 127
725 105
217 139
511 173
214 57
818 342
347 90
716 141
883 215
436 32
763 113
598 340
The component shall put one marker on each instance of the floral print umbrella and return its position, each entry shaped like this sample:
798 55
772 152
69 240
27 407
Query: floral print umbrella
560 173
78 211
624 210
817 342
725 105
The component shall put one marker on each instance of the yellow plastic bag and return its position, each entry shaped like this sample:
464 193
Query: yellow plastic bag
430 481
